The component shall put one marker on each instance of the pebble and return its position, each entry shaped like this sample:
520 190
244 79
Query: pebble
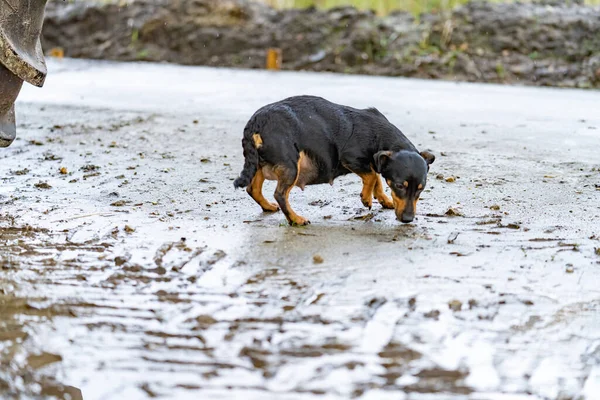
570 269
455 305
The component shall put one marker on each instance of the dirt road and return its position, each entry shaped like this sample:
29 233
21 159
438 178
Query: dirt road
130 268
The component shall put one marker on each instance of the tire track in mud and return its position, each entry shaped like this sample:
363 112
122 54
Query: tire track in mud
269 326
194 332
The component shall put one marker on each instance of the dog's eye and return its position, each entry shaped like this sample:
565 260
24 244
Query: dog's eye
400 186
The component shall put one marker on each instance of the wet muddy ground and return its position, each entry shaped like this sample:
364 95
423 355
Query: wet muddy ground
131 269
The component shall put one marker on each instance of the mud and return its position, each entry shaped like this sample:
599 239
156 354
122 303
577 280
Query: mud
534 44
139 272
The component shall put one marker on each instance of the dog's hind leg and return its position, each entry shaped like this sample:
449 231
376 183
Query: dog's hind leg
255 191
380 195
287 177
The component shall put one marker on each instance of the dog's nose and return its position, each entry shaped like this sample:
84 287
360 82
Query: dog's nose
406 218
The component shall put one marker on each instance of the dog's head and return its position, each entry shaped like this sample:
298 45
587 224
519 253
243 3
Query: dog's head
406 174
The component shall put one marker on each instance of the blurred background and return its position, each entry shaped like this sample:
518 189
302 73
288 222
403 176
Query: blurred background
554 43
386 6
381 7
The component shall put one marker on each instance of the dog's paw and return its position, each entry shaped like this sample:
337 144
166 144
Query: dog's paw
271 207
299 221
386 203
367 202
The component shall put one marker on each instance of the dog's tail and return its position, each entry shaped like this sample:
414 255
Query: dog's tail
250 160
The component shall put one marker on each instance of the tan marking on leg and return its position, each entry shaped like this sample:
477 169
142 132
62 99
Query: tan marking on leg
257 140
369 181
255 191
293 218
285 188
380 195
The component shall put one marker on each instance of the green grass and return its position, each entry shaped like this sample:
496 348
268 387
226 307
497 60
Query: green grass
383 7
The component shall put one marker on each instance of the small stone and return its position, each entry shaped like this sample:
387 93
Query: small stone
120 260
43 185
455 305
412 303
63 170
453 212
450 179
439 177
495 207
570 269
90 168
21 172
128 229
205 321
317 259
433 314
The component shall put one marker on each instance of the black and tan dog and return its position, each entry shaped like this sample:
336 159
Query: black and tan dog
307 140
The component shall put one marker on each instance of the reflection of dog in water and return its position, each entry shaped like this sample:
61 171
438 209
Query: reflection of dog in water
307 140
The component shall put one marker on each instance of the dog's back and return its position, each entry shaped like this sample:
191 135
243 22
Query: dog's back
299 116
314 124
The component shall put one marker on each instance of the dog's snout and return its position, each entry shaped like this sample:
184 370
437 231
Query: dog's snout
406 218
405 210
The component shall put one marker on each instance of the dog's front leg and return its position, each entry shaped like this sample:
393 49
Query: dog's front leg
369 182
380 195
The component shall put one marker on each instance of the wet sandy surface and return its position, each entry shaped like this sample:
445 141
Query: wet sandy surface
137 271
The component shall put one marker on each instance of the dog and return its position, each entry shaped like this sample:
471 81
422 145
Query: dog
307 140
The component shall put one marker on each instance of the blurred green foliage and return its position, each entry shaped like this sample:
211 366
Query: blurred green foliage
383 7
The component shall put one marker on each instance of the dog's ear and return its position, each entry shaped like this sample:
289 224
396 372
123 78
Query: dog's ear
429 158
380 159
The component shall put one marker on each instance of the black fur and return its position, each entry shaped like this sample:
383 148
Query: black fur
337 139
250 156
